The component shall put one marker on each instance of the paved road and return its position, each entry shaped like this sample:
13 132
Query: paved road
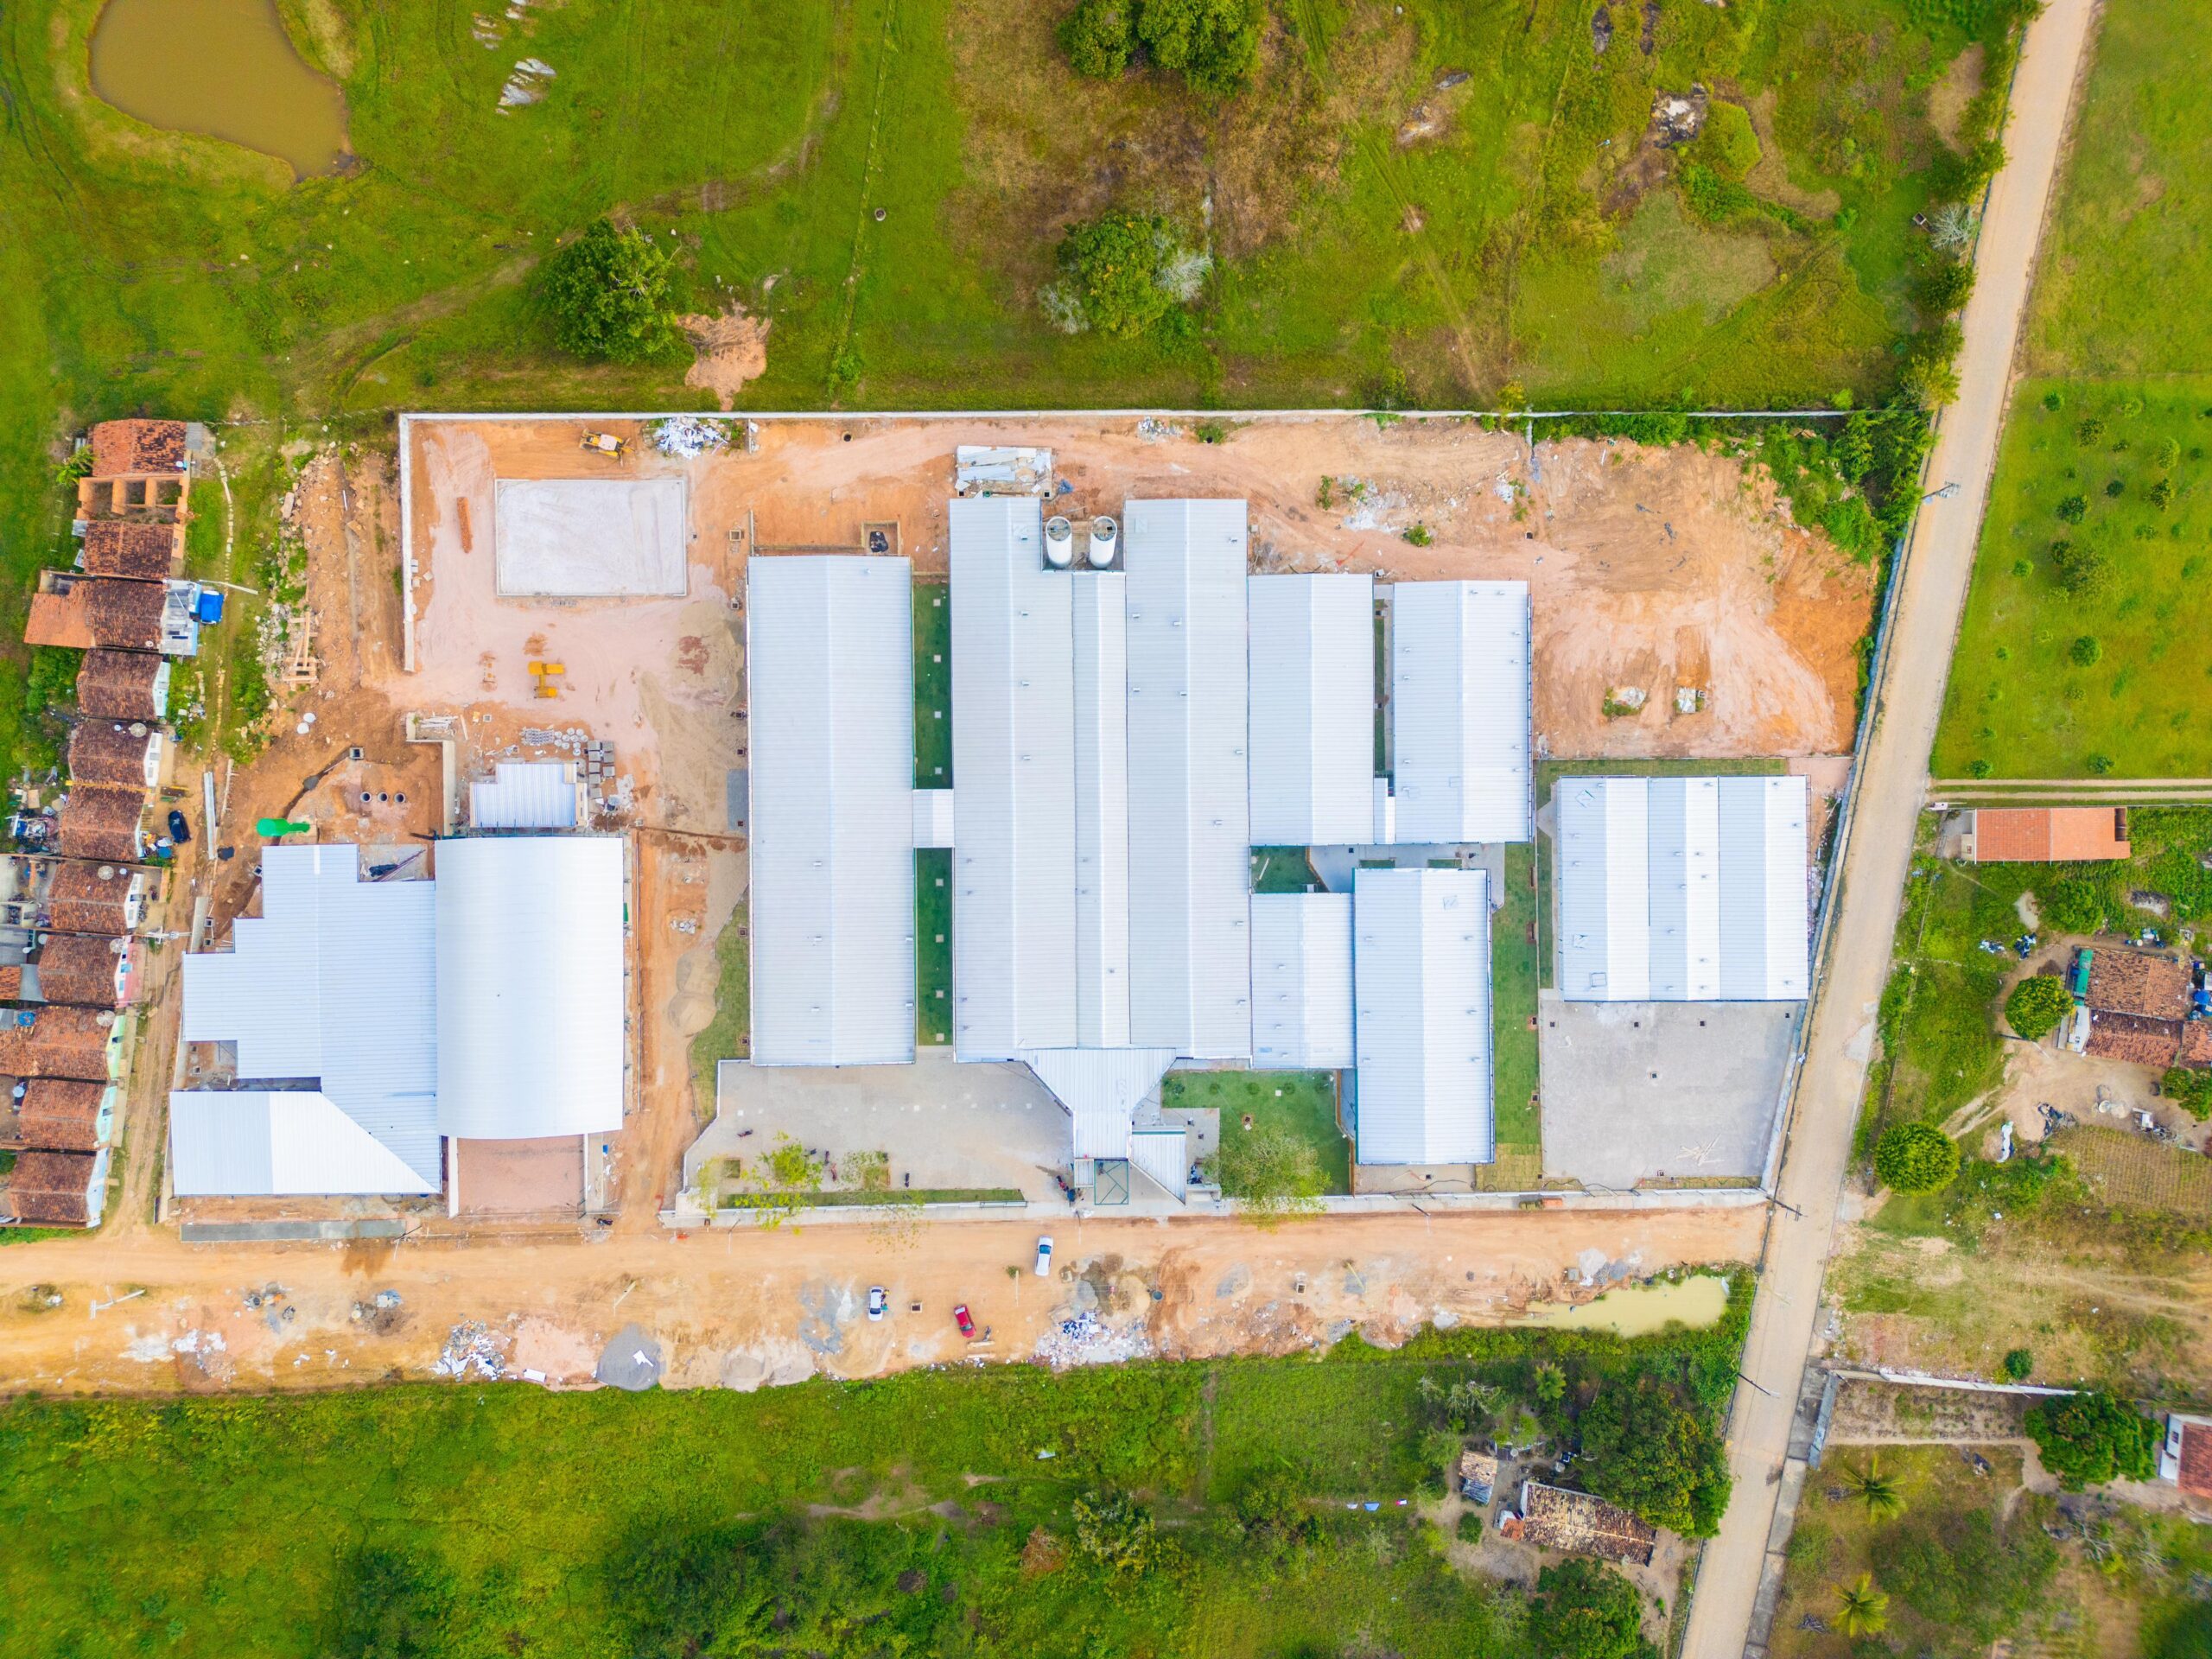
1889 791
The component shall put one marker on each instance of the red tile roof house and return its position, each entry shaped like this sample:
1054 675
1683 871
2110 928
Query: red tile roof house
2133 1038
115 754
83 1044
1553 1517
140 469
116 547
123 686
2139 983
89 897
80 970
104 824
60 1116
57 1189
84 612
2186 1457
2046 834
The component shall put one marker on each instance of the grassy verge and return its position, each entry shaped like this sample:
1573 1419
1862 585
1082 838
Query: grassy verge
506 1519
932 945
1304 1103
1513 953
932 685
1282 870
728 1036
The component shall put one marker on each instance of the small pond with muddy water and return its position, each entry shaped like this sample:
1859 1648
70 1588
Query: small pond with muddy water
225 68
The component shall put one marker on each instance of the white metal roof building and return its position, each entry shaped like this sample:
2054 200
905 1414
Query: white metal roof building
525 794
829 656
1301 982
1189 939
336 982
1682 889
531 985
1013 770
277 1144
1311 645
1099 605
1420 966
1459 710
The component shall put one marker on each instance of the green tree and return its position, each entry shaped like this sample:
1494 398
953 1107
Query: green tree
1098 37
1877 1493
1584 1610
1114 1531
1729 145
2038 1004
2073 509
1861 1610
2082 570
1945 286
1915 1158
2188 1088
2071 904
1111 271
1269 1171
608 292
1213 44
1645 1451
2018 1365
2089 1438
2087 650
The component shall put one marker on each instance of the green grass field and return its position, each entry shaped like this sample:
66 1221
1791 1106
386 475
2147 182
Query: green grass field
1371 237
1520 1163
448 1521
2111 337
1304 1102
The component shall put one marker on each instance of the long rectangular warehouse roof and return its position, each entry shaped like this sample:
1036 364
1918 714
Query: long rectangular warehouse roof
1312 688
1459 710
830 656
1301 982
1190 936
1420 967
1014 755
1682 889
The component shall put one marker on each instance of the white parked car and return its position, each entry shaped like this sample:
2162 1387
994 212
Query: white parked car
877 1302
1044 1255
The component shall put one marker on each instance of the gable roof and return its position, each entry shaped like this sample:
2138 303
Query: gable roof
101 824
87 972
55 1188
82 897
1553 1517
1459 710
122 685
114 547
1313 713
121 449
1421 1017
114 753
2048 835
2132 1038
63 1115
260 1143
58 1042
2140 982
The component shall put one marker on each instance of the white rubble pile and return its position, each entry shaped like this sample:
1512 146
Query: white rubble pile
685 435
470 1349
1084 1341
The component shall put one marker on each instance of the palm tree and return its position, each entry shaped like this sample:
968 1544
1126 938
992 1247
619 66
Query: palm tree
1876 1491
1861 1609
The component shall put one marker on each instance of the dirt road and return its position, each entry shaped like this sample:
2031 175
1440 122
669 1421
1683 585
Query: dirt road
1939 560
135 1310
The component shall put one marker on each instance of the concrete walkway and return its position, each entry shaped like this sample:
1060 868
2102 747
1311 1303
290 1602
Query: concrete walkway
1939 559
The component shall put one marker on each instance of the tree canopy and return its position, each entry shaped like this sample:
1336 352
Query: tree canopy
1584 1610
2038 1004
1113 270
1213 44
1915 1158
2089 1438
1645 1451
608 292
1269 1168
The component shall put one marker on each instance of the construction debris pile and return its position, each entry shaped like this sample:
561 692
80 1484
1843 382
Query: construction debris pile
470 1350
1084 1340
687 436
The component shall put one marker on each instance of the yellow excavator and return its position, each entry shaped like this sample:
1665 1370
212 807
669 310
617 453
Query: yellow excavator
615 447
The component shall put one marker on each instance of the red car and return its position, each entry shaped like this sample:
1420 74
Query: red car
967 1325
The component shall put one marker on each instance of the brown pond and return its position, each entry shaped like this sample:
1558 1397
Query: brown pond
222 67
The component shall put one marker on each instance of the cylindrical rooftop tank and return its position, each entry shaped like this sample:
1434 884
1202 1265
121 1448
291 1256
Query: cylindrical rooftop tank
1105 535
1059 543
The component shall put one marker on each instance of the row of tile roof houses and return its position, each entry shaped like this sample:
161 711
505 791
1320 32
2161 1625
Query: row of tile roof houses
72 904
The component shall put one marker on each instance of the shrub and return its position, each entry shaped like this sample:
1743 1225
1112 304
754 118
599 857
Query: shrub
2082 569
1419 535
2073 508
2038 1004
2089 430
1959 1572
1729 145
2018 1365
2086 651
2071 904
1213 44
2089 1438
1471 1526
1113 273
1584 1610
1915 1158
1645 1451
2115 488
1270 1169
1098 37
2162 494
608 292
1113 1530
1944 289
2188 1088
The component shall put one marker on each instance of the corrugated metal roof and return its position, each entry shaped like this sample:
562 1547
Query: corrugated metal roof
829 656
525 794
531 988
259 1144
1190 946
1459 702
1301 980
933 817
1014 755
1311 652
1101 1088
1163 1154
1100 618
336 980
1420 965
1682 889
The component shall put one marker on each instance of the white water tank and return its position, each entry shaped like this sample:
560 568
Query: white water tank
1059 543
1105 537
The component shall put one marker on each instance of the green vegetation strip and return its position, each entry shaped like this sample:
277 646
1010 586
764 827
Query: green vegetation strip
452 1519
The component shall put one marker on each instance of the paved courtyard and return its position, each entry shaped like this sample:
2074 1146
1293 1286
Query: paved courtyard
1636 1091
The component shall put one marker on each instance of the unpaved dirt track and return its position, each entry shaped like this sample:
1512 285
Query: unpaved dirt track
1909 702
747 1306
